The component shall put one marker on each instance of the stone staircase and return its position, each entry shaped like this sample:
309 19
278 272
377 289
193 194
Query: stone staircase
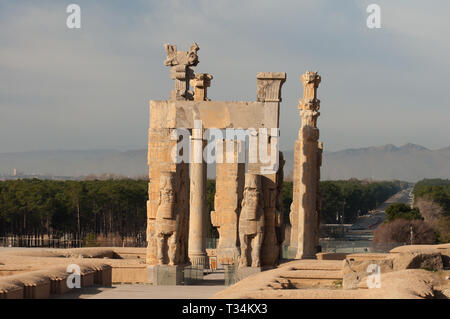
310 274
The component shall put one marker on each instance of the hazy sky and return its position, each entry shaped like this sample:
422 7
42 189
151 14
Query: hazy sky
89 88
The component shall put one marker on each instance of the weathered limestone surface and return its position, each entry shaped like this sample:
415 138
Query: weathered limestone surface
227 202
269 86
159 160
168 222
197 215
251 222
214 114
305 209
181 69
201 82
182 111
42 273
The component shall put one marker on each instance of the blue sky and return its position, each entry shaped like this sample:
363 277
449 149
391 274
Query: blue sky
89 88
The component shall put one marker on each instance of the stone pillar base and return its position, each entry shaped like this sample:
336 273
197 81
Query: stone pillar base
291 252
227 256
165 275
200 261
243 272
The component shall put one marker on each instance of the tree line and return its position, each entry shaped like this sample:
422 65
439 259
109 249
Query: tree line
88 208
437 190
432 199
74 209
344 200
428 222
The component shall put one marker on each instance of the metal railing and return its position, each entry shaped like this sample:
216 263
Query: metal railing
39 242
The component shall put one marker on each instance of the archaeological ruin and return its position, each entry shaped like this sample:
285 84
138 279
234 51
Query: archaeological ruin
249 172
250 255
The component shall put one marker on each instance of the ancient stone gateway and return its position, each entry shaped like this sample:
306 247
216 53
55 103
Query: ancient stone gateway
249 222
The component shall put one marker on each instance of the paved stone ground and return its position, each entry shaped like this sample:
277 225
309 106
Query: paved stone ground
212 284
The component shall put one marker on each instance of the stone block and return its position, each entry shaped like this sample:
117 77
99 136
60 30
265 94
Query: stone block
58 285
355 271
165 275
103 276
244 272
37 290
418 260
214 114
9 291
331 256
129 274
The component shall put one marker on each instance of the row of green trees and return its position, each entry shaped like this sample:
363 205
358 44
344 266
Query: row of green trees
75 208
101 207
432 198
437 190
428 222
343 201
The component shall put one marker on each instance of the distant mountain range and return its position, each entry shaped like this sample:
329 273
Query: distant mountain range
409 162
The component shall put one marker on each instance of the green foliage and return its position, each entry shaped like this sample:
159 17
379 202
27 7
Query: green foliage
353 198
337 283
34 207
211 231
83 208
90 240
286 192
443 229
438 191
401 210
348 198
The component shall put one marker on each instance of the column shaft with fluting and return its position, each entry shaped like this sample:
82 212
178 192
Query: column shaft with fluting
197 216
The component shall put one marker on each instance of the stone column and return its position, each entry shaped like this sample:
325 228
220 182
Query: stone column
227 201
160 160
197 217
269 86
319 194
307 170
200 83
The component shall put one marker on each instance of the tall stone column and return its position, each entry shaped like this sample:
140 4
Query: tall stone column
307 157
160 160
160 146
200 83
319 194
269 86
197 218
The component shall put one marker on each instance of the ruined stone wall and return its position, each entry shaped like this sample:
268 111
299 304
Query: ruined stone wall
227 203
182 111
159 159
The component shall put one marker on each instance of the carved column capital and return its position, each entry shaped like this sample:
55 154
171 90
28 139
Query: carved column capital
201 82
310 82
269 86
311 79
181 63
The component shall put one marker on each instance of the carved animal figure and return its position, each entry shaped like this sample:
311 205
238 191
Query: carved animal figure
251 222
189 58
167 221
